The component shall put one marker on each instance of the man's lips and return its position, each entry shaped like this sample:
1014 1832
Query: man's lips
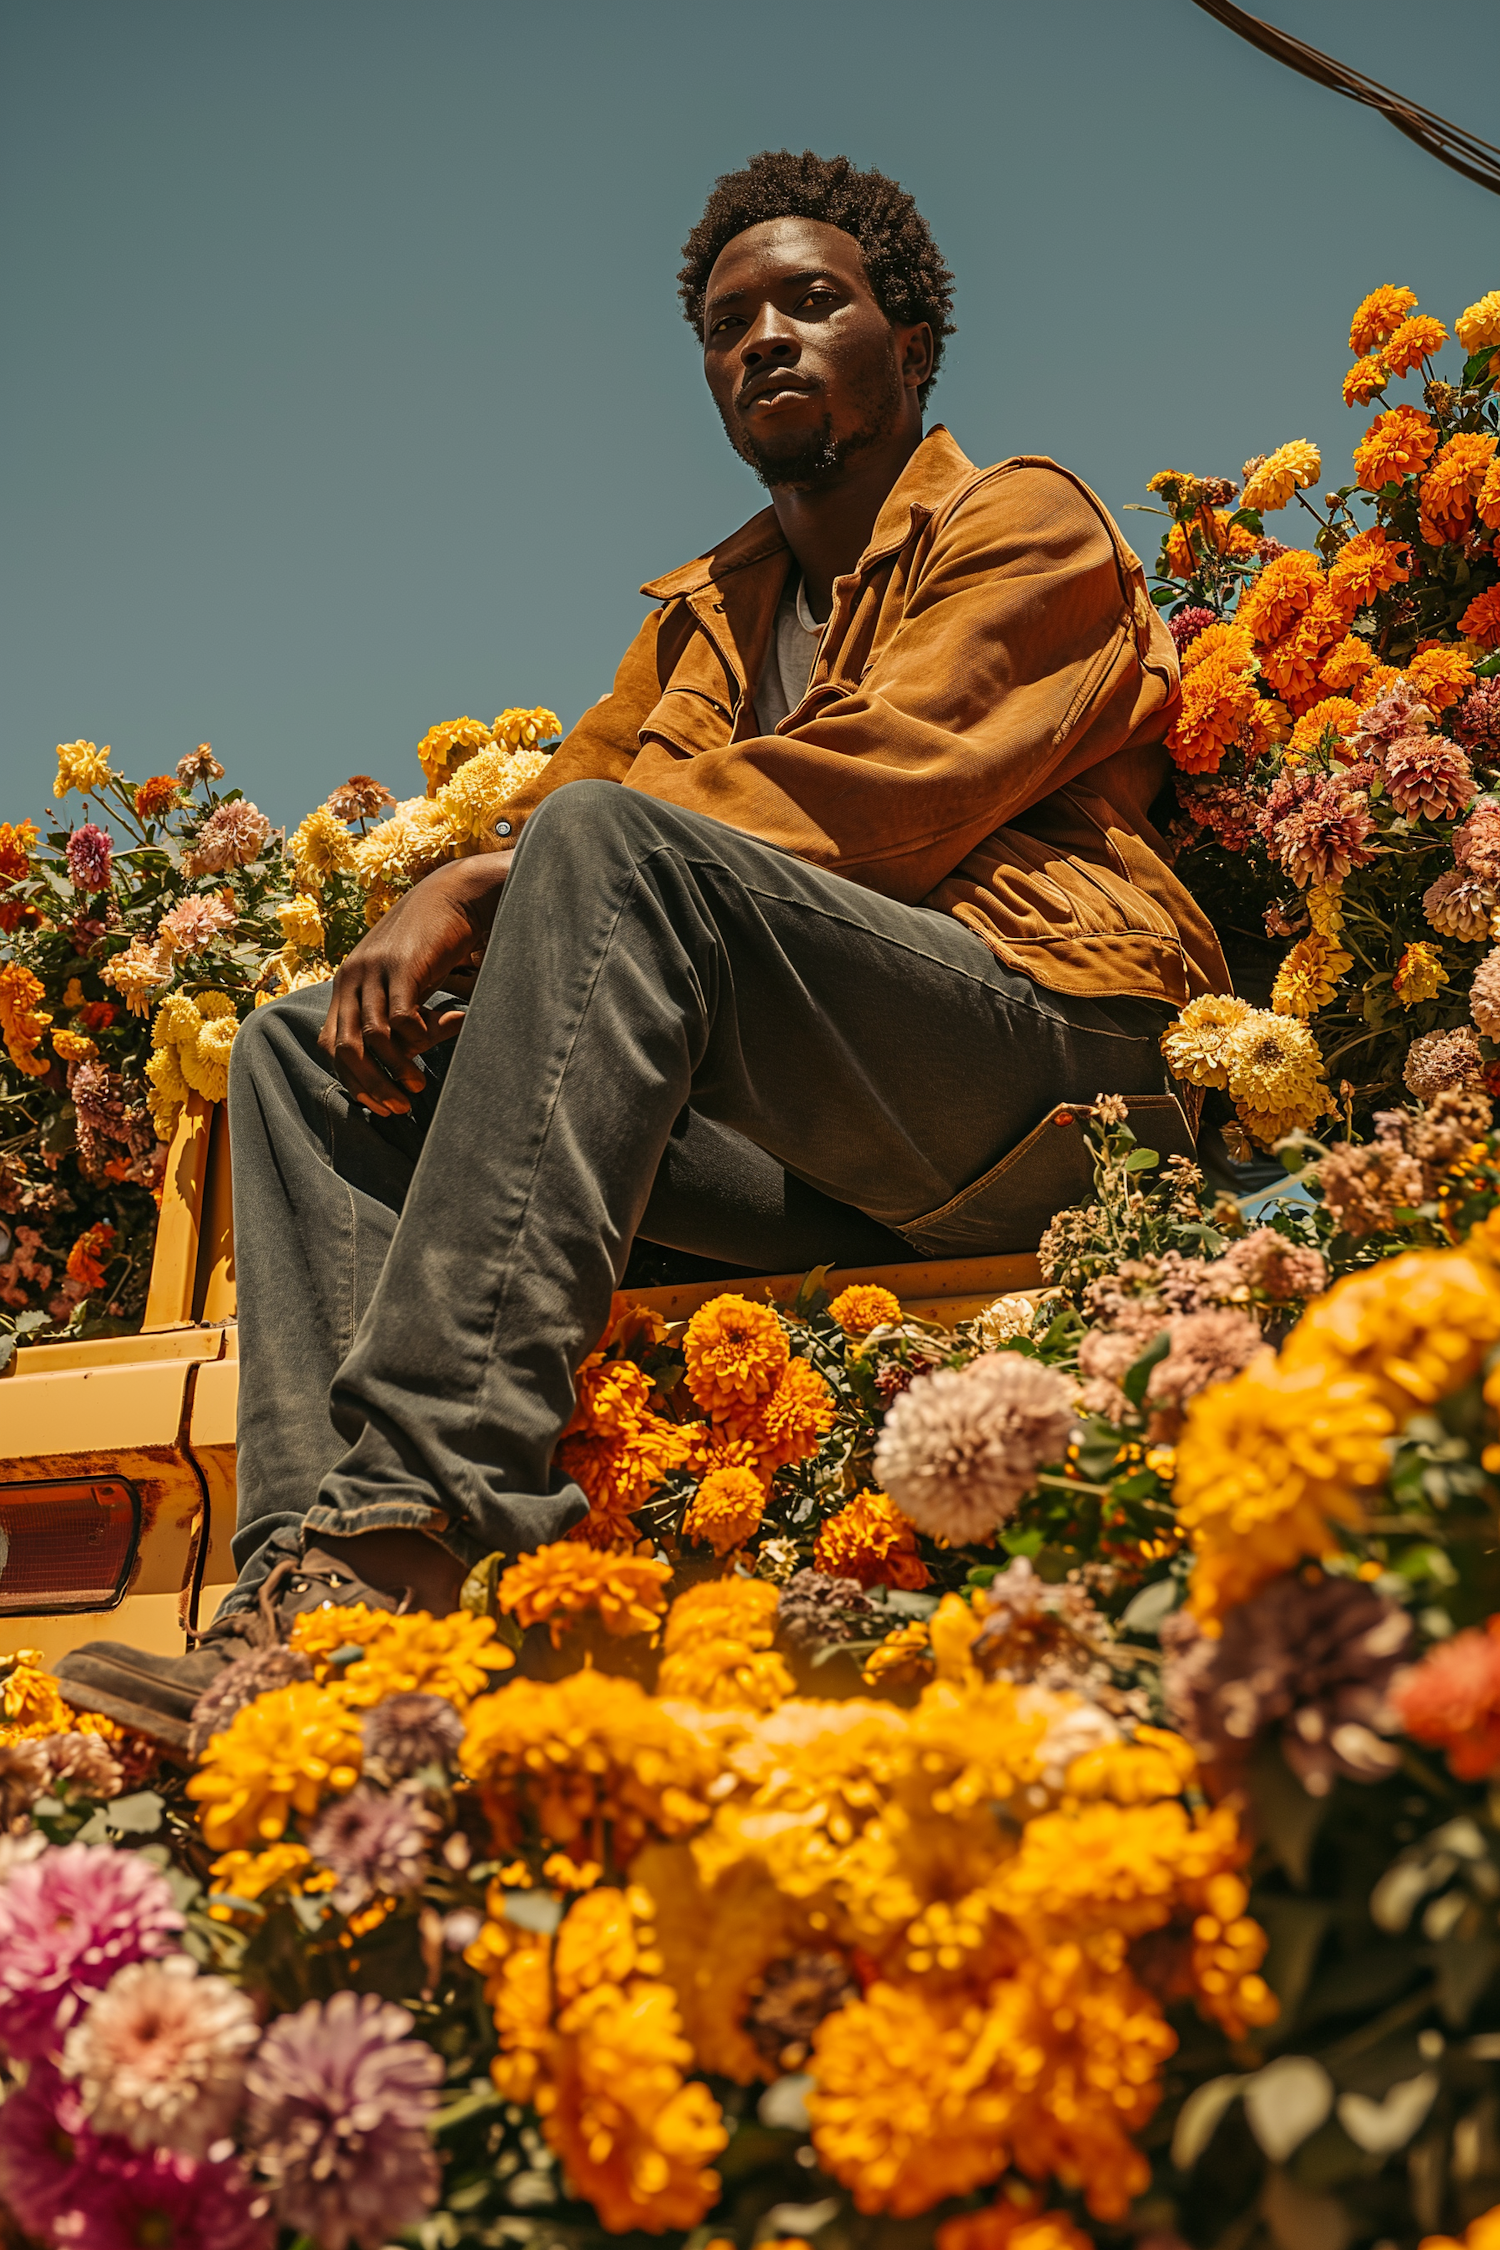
774 391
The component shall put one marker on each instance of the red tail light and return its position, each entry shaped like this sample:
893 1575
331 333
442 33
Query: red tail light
67 1544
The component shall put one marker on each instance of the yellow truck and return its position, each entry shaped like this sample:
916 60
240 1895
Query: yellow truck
117 1483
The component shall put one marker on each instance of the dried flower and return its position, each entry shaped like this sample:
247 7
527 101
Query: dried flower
1458 905
340 2104
359 798
232 836
409 1732
788 2002
82 1765
375 1844
1484 995
1315 1659
1206 1347
68 1921
960 1449
1443 1059
160 2057
137 972
199 765
816 1609
1476 720
1273 1267
193 923
89 855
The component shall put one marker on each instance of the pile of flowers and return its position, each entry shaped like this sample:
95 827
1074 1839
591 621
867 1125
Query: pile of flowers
1036 1782
136 936
1339 732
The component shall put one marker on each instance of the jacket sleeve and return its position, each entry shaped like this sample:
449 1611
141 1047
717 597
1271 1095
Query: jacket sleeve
1017 663
606 741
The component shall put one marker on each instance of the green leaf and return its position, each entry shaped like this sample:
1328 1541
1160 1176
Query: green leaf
1164 596
1248 519
139 1815
1142 1160
1477 366
1285 1815
1151 1606
1021 1542
1133 1382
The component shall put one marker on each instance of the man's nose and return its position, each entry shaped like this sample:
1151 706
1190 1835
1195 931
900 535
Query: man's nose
770 337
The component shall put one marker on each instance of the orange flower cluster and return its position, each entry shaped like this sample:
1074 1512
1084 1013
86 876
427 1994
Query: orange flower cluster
17 842
1219 696
872 1541
617 1449
23 1023
1452 485
89 1257
765 1408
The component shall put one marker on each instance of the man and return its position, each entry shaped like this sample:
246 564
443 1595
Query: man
809 922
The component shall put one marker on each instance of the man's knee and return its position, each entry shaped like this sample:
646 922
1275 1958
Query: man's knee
280 1038
594 821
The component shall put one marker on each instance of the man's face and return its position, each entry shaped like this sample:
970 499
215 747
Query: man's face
804 367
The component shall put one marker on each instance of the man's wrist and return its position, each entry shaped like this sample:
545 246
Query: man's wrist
475 885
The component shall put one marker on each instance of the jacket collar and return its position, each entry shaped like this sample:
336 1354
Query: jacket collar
935 470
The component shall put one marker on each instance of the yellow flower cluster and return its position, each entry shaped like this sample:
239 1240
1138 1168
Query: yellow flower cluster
281 1754
191 1039
1308 976
717 1647
416 1654
559 1584
445 749
23 1024
864 1305
725 1509
1419 974
81 766
1269 1062
1291 468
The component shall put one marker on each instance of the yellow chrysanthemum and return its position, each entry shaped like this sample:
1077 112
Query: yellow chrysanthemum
1413 341
588 1749
717 1647
73 1046
903 1658
1379 315
516 1966
414 1654
736 1353
471 802
1267 1463
443 749
1308 977
869 1539
1291 468
1273 1069
81 766
1394 446
23 1024
247 1877
1416 1328
1419 974
523 729
281 1754
725 1509
1478 326
561 1583
30 1702
1365 380
167 1090
1228 1949
864 1305
1440 674
322 846
302 923
1194 1046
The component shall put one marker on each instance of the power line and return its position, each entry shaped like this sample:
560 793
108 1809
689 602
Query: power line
1464 152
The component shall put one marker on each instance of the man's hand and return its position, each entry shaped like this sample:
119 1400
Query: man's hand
377 1024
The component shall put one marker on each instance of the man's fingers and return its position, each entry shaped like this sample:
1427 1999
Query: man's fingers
359 1031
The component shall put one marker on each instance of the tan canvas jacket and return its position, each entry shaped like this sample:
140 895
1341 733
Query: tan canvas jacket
982 731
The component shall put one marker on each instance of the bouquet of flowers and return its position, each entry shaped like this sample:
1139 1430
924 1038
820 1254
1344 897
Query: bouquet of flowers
1340 724
137 937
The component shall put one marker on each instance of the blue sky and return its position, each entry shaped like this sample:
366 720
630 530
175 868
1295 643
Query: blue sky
344 383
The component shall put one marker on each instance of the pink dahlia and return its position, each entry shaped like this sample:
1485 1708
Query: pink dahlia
123 2201
340 2102
160 2056
1458 904
68 1920
1428 778
46 2150
1326 837
232 836
190 925
962 1447
90 853
1476 721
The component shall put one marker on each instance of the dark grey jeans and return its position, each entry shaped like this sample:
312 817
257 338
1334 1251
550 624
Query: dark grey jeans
677 1031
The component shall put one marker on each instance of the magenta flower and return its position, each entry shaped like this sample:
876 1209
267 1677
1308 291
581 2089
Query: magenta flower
121 2201
46 2150
89 855
68 1921
1188 624
340 2103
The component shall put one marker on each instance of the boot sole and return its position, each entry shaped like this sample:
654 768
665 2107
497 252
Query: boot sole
108 1679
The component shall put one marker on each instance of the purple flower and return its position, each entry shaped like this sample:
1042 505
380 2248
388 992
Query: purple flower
1188 624
121 2201
68 1920
410 1731
46 2150
89 854
374 1844
340 2102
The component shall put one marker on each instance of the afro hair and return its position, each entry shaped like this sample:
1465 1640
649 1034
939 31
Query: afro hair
907 274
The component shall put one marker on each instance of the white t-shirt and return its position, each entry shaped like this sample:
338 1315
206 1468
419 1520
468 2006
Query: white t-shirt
789 660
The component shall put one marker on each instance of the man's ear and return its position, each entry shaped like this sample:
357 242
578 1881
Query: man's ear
916 358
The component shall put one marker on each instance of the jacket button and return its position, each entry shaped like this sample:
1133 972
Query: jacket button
502 828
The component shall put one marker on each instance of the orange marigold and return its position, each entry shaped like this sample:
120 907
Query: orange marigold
1481 620
562 1582
1394 446
736 1353
1371 563
90 1255
786 1426
23 1024
1453 484
1277 596
1364 381
17 842
1379 315
1415 340
155 796
1218 699
616 1449
1337 712
1487 506
872 1541
725 1509
1440 673
1212 531
1347 663
1011 2226
1293 664
864 1305
717 1647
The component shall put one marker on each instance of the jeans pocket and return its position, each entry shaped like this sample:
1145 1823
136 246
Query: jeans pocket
1009 1207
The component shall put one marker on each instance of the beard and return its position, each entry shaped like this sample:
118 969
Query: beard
811 460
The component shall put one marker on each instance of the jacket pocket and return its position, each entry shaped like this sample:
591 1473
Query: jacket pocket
1009 1207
